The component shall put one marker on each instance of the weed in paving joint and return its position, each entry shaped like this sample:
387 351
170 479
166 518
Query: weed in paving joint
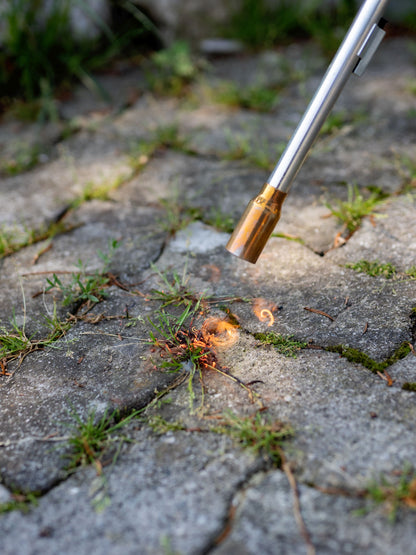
178 215
254 153
22 502
259 434
393 496
93 440
352 211
141 151
175 291
85 287
15 344
259 23
255 97
14 239
24 159
375 268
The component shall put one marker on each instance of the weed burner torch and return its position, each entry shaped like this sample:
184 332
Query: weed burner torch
353 56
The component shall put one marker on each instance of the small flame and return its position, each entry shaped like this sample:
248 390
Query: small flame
219 333
264 309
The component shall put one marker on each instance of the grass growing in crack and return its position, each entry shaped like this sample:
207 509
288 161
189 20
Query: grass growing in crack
179 350
406 168
259 434
164 137
93 440
374 268
393 496
13 341
354 355
241 148
100 190
14 239
85 287
220 220
15 344
254 97
22 502
175 291
178 215
284 345
352 211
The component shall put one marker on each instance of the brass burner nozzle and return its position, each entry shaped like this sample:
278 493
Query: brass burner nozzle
256 224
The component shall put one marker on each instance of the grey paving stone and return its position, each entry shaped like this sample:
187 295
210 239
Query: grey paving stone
169 493
334 528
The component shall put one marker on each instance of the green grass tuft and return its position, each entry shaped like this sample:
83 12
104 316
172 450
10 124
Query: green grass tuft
259 434
374 268
352 211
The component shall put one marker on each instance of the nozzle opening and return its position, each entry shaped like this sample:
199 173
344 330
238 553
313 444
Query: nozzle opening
257 224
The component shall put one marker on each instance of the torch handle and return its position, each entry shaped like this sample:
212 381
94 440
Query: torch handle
358 46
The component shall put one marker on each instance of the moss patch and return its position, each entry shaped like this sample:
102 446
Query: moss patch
354 355
409 386
285 345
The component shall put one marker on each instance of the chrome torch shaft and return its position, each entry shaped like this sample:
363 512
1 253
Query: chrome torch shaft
263 212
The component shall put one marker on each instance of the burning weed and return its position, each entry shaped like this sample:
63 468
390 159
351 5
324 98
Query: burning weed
184 347
264 310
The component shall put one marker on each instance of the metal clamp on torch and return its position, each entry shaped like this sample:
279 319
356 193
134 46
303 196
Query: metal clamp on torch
353 56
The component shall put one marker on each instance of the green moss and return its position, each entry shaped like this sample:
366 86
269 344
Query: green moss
284 345
354 355
161 426
374 268
409 386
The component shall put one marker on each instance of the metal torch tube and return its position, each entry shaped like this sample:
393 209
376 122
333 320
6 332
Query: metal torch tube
248 243
330 88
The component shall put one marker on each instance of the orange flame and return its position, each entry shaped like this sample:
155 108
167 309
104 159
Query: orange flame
219 333
264 309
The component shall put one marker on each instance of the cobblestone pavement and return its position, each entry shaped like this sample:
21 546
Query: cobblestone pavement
111 447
